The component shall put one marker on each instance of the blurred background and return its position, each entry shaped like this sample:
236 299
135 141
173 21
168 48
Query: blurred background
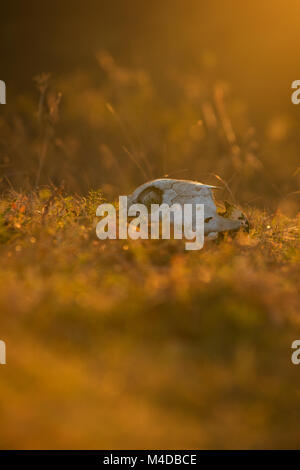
140 344
111 93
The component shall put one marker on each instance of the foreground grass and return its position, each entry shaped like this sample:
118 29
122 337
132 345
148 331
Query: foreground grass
138 344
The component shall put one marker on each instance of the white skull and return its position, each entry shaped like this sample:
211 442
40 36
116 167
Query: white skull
172 191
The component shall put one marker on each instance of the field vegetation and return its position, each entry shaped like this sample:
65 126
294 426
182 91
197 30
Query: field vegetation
142 344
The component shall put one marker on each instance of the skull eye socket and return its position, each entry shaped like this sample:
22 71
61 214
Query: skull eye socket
150 196
207 219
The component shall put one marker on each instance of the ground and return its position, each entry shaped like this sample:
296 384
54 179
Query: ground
141 344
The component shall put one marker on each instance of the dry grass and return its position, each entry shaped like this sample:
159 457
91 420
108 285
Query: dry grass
141 344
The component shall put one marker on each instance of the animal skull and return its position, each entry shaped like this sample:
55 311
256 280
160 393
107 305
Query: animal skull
173 191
